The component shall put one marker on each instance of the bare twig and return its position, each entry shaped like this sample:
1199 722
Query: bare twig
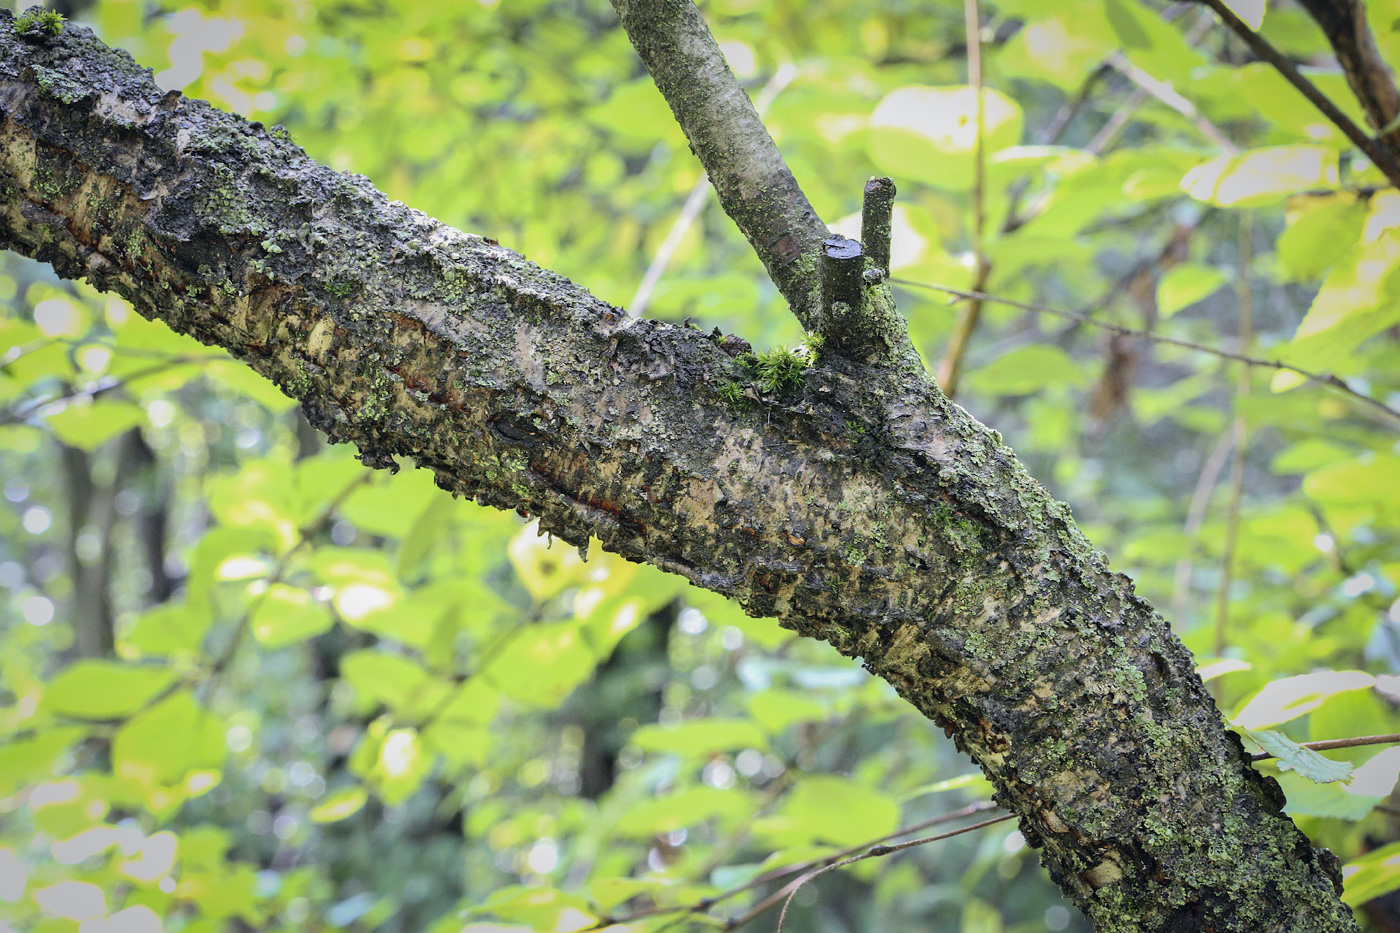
1326 379
1196 517
787 870
755 186
875 851
1168 95
1379 155
1240 430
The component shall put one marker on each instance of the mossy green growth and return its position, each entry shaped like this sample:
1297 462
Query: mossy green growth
732 394
37 21
780 368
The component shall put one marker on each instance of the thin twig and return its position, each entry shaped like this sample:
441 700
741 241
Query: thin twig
876 851
796 868
1196 517
1355 742
1379 155
1164 92
91 391
1326 379
1240 430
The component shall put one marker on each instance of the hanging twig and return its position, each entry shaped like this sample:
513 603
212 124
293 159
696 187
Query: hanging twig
1326 379
1168 95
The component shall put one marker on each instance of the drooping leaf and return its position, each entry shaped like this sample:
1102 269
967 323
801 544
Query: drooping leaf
1291 756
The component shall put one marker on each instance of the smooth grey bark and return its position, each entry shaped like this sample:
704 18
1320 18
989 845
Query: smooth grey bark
884 520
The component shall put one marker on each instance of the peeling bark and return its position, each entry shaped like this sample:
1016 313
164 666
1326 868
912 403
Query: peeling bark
871 513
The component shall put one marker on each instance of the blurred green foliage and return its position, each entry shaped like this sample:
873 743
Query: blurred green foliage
246 683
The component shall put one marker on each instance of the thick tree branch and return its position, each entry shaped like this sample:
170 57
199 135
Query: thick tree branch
754 184
1344 24
889 523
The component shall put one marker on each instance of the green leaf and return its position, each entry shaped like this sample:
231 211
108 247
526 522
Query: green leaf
1291 756
94 689
339 805
700 737
1357 300
164 744
287 614
1288 698
173 628
90 425
1185 284
833 810
1361 482
688 807
1371 875
30 760
1319 235
385 506
1262 176
393 761
776 709
543 664
257 497
391 679
1027 370
930 133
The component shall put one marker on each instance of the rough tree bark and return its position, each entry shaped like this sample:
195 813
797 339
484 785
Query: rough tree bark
861 509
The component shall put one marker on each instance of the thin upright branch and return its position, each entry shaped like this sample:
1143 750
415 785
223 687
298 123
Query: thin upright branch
950 367
1240 430
1379 154
755 186
1326 379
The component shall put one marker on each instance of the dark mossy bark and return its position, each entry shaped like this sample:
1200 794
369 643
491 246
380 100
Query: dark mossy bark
884 520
